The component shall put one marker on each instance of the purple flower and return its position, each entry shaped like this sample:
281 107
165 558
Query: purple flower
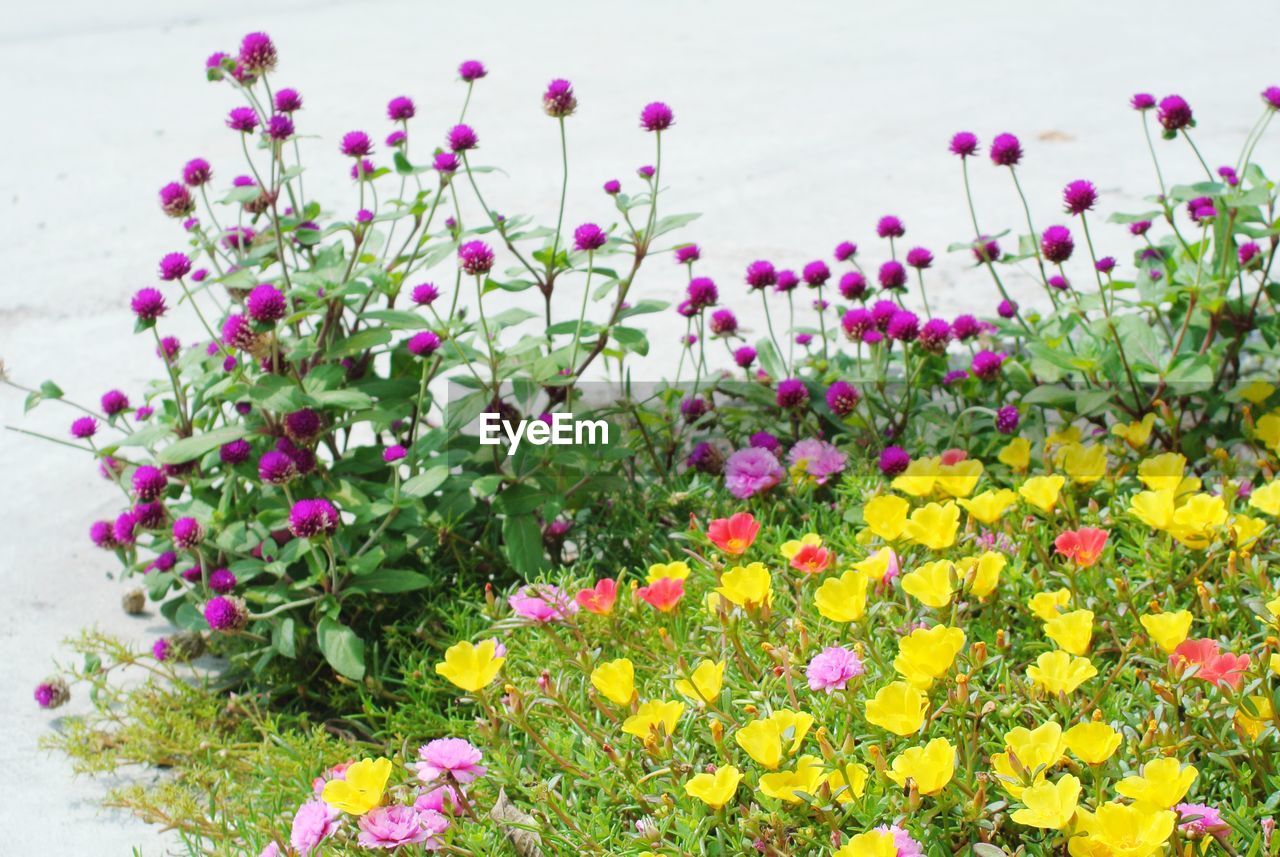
893 460
52 693
792 393
1007 419
723 323
646 172
235 452
238 237
702 292
472 70
964 144
288 101
1079 196
761 274
1175 114
816 273
425 294
310 518
124 528
149 482
890 227
396 139
174 266
258 53
302 425
187 533
1228 174
356 144
764 440
1006 309
277 468
558 100
400 109
314 822
1056 244
934 335
266 304
687 254
588 237
903 327
102 535
955 376
542 603
892 275
1142 101
390 827
475 258
446 163
280 127
160 649
882 313
222 581
817 459
705 458
965 327
1006 151
1200 821
114 402
1249 255
845 251
842 398
744 356
84 428
751 471
150 516
1271 95
919 258
656 116
853 285
238 333
461 138
225 614
423 344
1059 283
1105 265
613 187
803 339
393 453
986 364
832 668
986 250
176 200
196 172
242 119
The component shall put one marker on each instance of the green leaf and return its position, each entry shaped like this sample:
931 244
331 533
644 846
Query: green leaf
283 638
425 483
342 648
522 542
352 400
388 580
362 341
632 339
191 448
50 390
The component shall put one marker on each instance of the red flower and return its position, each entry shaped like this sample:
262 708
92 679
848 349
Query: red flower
953 456
812 559
734 534
599 599
1212 666
1083 546
663 594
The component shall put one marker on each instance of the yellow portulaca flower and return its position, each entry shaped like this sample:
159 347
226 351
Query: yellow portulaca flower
843 598
1153 508
931 766
704 683
1267 498
1028 757
1042 492
1256 392
1273 607
848 783
1071 631
1254 715
1246 530
1084 464
651 715
1121 830
715 790
919 478
1049 805
1016 455
1064 436
961 478
1093 742
747 586
934 526
932 584
926 654
1274 663
989 506
1163 472
1138 433
1267 430
470 667
677 570
793 726
898 707
1197 520
1162 784
873 843
877 565
1167 629
1048 605
361 787
981 573
763 739
791 548
1060 672
615 680
886 516
789 786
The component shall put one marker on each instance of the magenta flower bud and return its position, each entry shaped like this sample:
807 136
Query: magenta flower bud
934 335
705 458
394 453
890 227
144 413
196 172
174 266
761 275
425 294
764 440
1228 174
803 339
693 408
280 127
588 237
396 139
475 258
363 170
1006 309
150 516
986 249
792 393
656 116
744 356
965 327
1249 254
845 251
52 693
124 528
1006 151
400 109
149 482
892 275
1059 283
84 428
1105 265
964 144
446 163
853 285
903 327
258 53
302 425
1079 196
235 452
187 533
103 535
558 100
723 323
646 172
986 364
176 201
226 614
423 344
842 398
687 254
222 581
1056 244
613 187
311 518
161 649
461 138
1142 101
168 349
114 402
356 144
266 304
1175 114
702 292
882 313
1007 419
238 238
893 460
786 281
288 101
1271 95
242 119
237 333
919 258
856 322
277 468
472 70
816 273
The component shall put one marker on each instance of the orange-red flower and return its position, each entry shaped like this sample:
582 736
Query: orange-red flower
953 456
734 534
1083 546
812 559
663 594
1212 665
600 598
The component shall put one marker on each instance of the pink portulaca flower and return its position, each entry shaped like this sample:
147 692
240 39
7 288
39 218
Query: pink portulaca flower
832 668
542 603
817 459
314 822
452 756
752 471
390 827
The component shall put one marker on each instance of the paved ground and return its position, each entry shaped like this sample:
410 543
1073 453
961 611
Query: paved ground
797 127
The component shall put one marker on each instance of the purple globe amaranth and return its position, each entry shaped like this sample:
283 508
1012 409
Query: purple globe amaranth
266 304
237 332
803 339
964 144
761 274
235 452
856 322
395 452
280 127
187 533
161 649
1006 150
1059 282
277 468
1228 174
1056 244
222 580
893 460
1007 419
965 327
955 376
114 402
816 273
226 614
303 457
150 516
84 428
656 116
258 53
842 398
1079 196
903 327
424 294
174 266
149 482
646 172
446 163
1139 227
303 425
363 170
558 100
613 187
792 393
1006 309
423 344
288 101
845 251
919 258
124 528
702 292
472 70
935 334
1271 95
1141 101
176 201
242 119
238 237
764 440
400 109
1105 265
1249 255
1175 115
724 323
52 693
986 364
164 562
686 309
475 258
312 518
461 138
103 535
168 349
196 172
744 356
356 144
986 250
396 139
853 285
687 254
705 458
890 226
786 281
693 408
892 275
882 313
589 237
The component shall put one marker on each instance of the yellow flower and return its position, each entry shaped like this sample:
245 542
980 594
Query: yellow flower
1059 672
361 787
1049 805
677 570
981 573
1029 755
897 707
1120 830
1274 663
791 548
1042 491
1254 715
787 785
874 843
471 667
931 766
1267 498
848 783
1153 508
704 684
1246 530
1066 435
932 584
1016 455
878 564
793 725
1137 433
716 789
1268 430
1071 631
651 715
934 525
616 680
1162 472
886 515
1163 783
1084 464
762 739
1273 607
1197 520
989 506
1257 391
926 654
959 479
747 586
843 598
1047 605
1093 742
1167 629
919 478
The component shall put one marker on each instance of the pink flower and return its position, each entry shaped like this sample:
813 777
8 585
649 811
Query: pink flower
812 559
314 822
600 598
751 471
337 772
440 799
1211 665
392 826
1199 821
272 850
817 459
663 594
734 534
542 603
831 669
907 847
1083 546
453 756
